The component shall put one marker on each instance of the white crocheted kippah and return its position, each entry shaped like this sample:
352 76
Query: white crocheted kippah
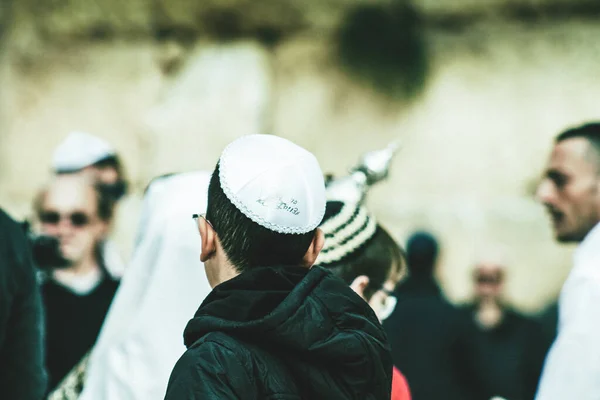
274 182
347 228
80 150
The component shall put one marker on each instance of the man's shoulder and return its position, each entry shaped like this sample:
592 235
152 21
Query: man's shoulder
15 261
216 349
6 220
13 236
254 369
213 367
225 348
585 275
217 340
220 345
587 261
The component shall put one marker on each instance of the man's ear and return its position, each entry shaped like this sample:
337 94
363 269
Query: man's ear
208 236
359 285
314 249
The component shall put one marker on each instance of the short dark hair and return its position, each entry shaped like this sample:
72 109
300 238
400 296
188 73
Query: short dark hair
246 243
112 161
589 131
375 260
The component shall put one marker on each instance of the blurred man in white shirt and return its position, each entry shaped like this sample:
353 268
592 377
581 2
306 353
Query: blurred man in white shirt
570 191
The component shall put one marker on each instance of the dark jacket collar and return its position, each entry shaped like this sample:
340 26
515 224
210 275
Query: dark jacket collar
271 301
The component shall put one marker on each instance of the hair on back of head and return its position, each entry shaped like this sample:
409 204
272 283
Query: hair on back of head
112 161
376 259
589 131
246 243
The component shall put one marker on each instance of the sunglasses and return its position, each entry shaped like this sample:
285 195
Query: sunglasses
77 219
488 280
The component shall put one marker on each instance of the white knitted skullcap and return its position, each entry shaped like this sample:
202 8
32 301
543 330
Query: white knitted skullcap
274 182
347 228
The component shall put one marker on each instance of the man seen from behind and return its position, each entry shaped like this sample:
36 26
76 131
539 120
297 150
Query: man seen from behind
273 325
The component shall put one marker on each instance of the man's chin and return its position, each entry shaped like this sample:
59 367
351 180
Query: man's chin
567 238
69 258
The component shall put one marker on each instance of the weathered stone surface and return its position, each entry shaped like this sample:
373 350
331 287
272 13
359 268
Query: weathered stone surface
65 20
474 142
158 123
222 92
471 6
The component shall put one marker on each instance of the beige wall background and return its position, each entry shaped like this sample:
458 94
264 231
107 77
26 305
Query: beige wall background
473 143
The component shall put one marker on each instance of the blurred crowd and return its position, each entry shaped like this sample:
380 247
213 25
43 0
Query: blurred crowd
78 321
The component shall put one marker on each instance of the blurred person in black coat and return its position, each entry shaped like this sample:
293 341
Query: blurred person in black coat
507 347
549 322
78 292
22 374
426 332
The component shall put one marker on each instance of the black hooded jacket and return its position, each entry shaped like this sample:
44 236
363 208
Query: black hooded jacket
283 333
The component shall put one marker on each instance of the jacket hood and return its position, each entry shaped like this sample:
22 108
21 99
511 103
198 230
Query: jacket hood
300 314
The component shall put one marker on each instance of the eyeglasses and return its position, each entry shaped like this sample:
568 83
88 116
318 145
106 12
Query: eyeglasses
78 219
196 218
389 304
488 280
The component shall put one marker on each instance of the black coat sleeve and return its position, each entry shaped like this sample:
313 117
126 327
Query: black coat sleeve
22 373
535 355
210 371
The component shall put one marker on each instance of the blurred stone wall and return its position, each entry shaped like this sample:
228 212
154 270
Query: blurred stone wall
153 81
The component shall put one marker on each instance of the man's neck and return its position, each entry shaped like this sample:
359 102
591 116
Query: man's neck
81 278
219 273
84 267
587 248
489 313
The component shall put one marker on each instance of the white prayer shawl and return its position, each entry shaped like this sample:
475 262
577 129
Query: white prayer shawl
572 368
142 337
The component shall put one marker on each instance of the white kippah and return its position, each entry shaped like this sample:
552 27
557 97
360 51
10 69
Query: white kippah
80 150
274 182
347 228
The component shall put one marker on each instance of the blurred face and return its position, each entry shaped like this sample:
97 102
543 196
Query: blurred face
383 301
69 212
489 281
569 190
